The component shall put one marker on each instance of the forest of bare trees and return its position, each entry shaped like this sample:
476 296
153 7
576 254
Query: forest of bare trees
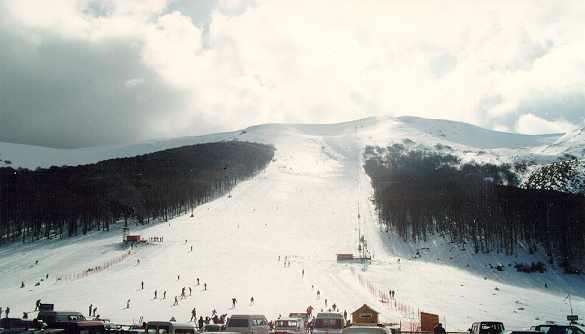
418 193
69 200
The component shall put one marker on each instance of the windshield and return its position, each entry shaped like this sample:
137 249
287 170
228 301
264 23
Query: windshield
328 323
285 324
238 323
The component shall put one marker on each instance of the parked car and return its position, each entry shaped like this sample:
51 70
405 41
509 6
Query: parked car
7 323
111 327
328 323
248 324
362 329
289 326
522 331
214 328
486 327
169 327
49 317
558 329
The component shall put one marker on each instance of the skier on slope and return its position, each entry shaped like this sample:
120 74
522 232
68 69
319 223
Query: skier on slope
193 315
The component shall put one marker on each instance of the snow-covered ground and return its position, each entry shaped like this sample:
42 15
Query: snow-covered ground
302 208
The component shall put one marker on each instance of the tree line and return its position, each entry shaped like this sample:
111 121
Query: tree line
418 193
66 200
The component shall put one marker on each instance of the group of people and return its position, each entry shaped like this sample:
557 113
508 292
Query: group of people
215 318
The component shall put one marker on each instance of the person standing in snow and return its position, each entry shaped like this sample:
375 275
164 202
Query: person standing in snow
193 315
176 301
318 294
200 322
128 304
155 292
439 329
7 311
252 301
234 301
90 308
38 305
142 285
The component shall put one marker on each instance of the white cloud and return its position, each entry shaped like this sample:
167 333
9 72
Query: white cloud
133 82
333 61
531 125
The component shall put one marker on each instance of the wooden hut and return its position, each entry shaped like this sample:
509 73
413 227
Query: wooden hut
364 315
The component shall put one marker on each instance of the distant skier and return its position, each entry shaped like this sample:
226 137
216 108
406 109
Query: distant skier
155 292
310 311
176 301
38 305
252 301
204 286
334 307
128 304
189 291
234 301
24 315
201 322
22 284
142 285
193 315
164 295
94 310
318 294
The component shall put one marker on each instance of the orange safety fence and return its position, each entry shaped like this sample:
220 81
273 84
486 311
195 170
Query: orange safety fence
90 271
385 298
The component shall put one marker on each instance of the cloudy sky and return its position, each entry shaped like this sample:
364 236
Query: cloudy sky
77 73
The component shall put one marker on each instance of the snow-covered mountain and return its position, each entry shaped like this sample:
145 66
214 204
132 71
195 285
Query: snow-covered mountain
303 209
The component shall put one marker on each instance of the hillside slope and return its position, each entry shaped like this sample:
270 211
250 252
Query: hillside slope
302 208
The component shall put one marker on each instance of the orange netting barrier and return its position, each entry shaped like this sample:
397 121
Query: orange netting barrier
90 271
385 298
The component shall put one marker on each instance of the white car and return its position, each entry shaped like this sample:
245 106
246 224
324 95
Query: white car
359 329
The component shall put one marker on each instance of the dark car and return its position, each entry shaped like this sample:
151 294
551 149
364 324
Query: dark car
558 329
486 327
8 323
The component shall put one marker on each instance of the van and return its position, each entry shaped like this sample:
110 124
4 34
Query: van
49 317
248 324
169 327
289 326
328 323
486 327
